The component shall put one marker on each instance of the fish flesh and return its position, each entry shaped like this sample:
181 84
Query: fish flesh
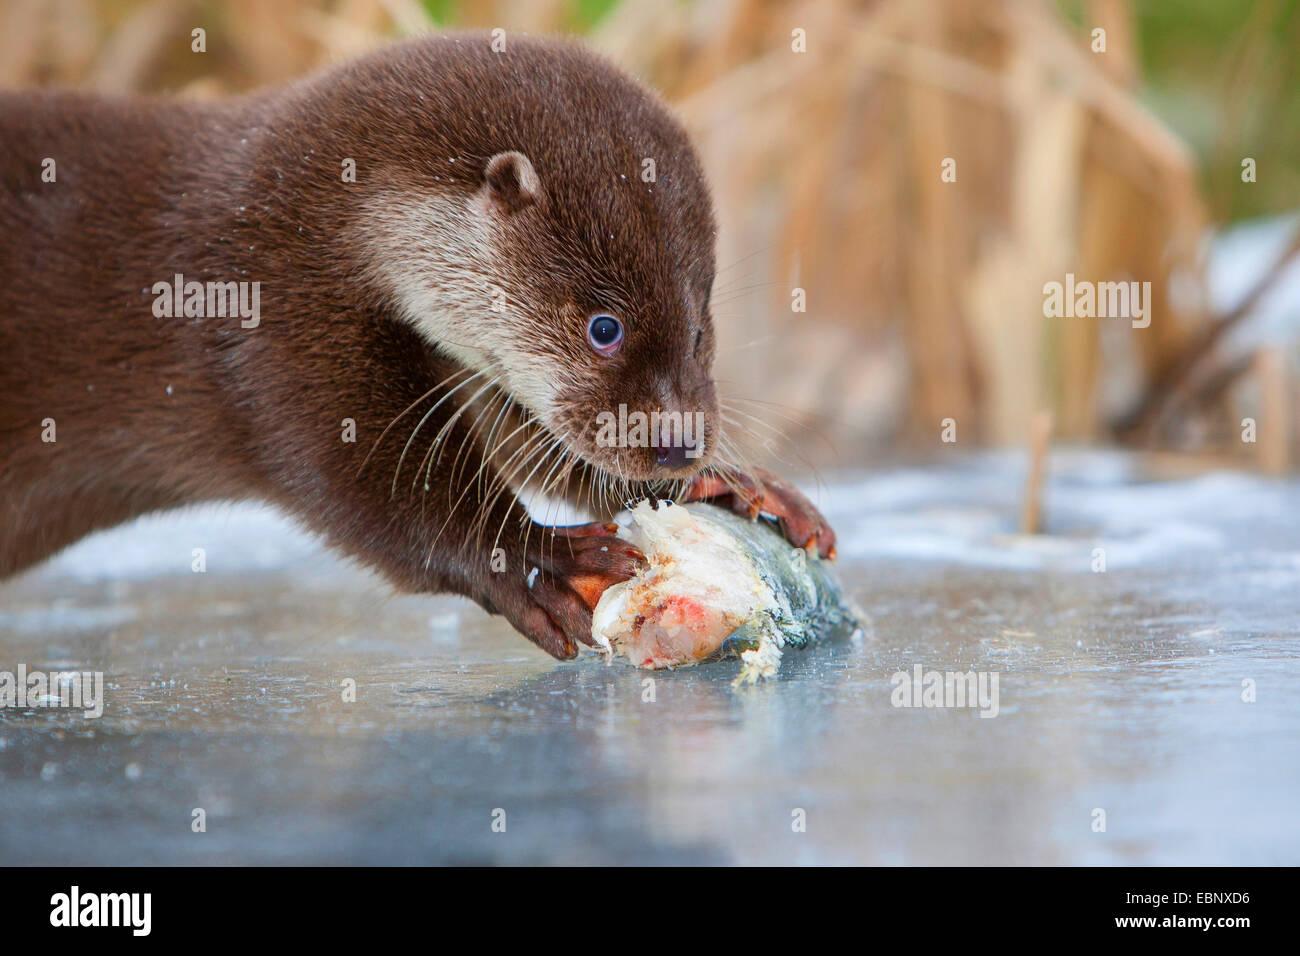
716 585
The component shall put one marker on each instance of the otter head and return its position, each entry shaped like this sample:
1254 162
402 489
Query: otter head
611 276
558 239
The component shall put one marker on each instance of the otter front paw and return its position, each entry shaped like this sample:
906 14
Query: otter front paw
761 492
566 570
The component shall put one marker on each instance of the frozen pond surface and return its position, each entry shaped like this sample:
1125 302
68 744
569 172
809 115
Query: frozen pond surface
1119 690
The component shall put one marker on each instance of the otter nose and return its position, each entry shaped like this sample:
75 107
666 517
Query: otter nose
675 449
673 457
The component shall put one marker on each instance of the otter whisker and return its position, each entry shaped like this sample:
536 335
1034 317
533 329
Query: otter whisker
501 481
397 472
493 491
799 458
403 412
769 441
526 517
545 485
743 259
489 448
480 522
752 343
561 468
471 434
445 429
734 293
535 446
478 526
470 438
788 414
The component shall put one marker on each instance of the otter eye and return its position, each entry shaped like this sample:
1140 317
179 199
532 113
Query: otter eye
605 334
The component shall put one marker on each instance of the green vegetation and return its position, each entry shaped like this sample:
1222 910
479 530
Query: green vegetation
1225 75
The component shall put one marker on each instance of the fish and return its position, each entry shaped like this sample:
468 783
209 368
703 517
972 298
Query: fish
716 585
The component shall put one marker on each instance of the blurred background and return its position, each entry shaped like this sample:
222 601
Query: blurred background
920 169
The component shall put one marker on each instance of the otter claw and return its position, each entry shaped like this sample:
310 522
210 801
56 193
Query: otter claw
761 493
571 574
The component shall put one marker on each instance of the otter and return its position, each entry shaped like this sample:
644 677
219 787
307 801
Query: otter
390 299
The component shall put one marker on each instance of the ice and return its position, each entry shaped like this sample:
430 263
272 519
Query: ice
1120 690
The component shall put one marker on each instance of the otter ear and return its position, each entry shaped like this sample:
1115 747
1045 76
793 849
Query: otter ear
511 182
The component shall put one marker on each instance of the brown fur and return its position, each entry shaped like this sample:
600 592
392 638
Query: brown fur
250 190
